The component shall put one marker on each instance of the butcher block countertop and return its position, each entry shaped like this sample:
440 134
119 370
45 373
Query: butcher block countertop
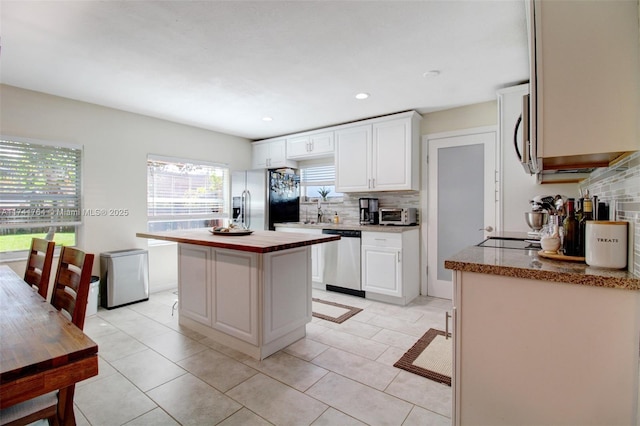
257 242
528 264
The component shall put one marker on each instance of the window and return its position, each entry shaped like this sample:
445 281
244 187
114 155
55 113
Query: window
184 194
39 194
318 178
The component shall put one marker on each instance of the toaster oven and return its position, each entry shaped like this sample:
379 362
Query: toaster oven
398 216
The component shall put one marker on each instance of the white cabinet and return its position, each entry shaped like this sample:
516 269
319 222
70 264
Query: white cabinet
585 75
194 276
378 155
543 352
234 298
271 153
256 303
317 254
390 266
307 146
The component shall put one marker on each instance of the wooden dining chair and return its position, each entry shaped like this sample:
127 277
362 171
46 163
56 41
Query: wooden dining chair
39 265
70 294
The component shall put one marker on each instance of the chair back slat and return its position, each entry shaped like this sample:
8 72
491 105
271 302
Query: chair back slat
39 263
72 283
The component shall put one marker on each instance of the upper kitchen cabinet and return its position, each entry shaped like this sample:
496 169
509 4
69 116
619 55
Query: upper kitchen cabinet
379 154
585 80
271 153
312 145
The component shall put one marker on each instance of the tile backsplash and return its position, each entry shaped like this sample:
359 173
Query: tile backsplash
348 208
619 186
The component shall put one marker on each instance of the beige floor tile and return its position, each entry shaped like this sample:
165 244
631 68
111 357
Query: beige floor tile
96 327
173 345
244 417
155 417
391 356
395 339
142 327
218 370
350 343
355 367
147 369
112 401
356 328
421 391
333 417
295 372
306 349
191 401
359 401
421 417
118 345
276 402
416 329
154 310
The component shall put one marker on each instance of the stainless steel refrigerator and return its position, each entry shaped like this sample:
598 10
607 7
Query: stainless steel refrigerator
261 198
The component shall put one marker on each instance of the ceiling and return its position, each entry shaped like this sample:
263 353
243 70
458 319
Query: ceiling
224 65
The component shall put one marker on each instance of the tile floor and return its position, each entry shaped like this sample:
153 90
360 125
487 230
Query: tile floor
153 372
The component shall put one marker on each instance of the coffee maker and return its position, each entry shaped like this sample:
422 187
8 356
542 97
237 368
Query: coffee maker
368 211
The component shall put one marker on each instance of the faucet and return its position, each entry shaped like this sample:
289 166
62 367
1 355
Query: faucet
320 214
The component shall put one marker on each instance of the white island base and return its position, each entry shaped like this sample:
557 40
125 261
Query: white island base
255 303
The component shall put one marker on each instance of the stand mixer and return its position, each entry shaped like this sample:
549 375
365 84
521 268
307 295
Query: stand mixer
541 208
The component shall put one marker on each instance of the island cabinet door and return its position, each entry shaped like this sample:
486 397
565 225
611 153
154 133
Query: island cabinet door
235 295
194 276
287 292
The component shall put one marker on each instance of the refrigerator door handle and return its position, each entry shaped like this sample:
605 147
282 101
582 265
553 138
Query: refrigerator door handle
247 222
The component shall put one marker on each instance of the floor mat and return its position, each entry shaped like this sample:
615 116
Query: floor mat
331 311
430 357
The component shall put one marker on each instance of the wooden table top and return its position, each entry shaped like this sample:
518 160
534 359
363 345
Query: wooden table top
36 339
257 242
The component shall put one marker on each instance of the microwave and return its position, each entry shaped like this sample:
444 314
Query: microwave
398 216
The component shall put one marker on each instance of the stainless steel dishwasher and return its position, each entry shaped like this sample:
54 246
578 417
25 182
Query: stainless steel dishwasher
342 262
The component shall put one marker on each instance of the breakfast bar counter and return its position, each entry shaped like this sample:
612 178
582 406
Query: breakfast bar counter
249 292
549 341
529 264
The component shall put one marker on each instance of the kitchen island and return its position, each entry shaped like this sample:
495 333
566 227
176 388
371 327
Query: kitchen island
249 292
542 341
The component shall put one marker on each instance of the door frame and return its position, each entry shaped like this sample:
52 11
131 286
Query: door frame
424 190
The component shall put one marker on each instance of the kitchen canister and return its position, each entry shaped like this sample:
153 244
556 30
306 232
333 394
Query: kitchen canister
606 244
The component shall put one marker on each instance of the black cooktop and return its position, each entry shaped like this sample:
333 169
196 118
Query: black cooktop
510 243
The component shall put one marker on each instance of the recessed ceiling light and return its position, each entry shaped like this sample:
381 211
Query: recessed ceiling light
431 74
267 119
362 95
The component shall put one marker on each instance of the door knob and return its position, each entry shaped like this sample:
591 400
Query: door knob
488 228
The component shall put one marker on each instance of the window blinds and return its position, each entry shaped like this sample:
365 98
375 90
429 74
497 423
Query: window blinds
178 189
318 175
39 184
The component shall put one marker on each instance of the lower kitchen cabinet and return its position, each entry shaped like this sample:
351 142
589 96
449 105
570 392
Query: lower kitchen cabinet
252 302
317 255
540 352
194 276
390 266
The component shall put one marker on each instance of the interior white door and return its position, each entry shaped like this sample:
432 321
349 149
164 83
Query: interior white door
462 199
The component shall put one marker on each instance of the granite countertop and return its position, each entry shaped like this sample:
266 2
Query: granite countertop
257 242
528 264
349 227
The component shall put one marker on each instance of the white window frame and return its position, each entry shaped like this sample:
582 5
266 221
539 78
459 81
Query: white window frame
72 216
222 214
333 196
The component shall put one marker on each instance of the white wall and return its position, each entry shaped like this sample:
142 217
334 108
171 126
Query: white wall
116 144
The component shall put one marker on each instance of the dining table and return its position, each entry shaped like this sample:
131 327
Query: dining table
40 349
